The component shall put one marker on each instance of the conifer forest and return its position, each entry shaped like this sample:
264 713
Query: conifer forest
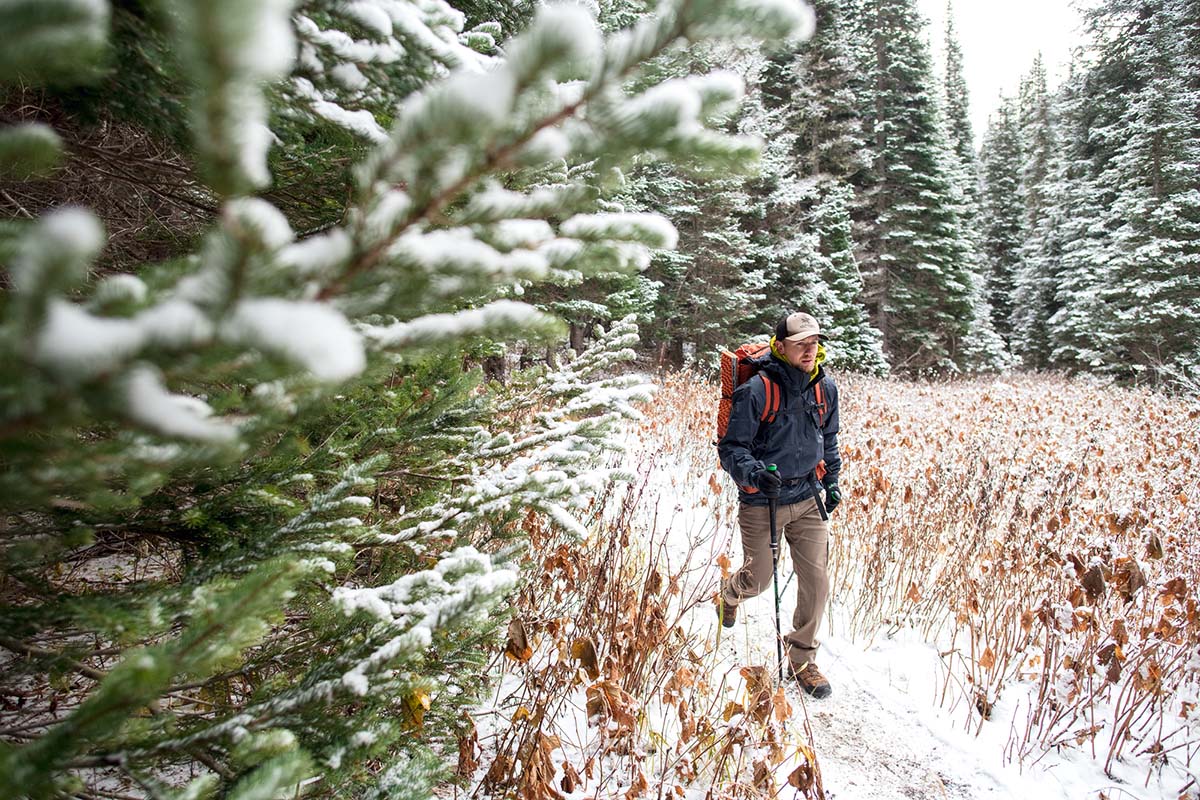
348 347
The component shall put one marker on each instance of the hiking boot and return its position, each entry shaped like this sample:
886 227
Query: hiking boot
812 681
726 614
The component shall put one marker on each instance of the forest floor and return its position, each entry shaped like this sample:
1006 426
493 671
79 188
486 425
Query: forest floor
1013 612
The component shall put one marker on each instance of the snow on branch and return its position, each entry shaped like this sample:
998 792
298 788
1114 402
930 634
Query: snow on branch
493 319
56 253
150 404
78 346
551 466
495 203
459 251
563 43
650 229
234 49
418 604
313 335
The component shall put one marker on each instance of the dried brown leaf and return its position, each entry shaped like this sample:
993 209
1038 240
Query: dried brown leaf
783 709
607 700
914 592
758 679
764 778
468 748
687 723
1093 583
1175 588
638 787
518 648
571 779
807 775
584 651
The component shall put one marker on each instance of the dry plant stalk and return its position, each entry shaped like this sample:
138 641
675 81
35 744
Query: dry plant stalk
608 693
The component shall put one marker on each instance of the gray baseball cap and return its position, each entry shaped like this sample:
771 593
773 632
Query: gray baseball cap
795 327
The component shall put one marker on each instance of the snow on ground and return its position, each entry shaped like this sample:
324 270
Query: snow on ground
882 734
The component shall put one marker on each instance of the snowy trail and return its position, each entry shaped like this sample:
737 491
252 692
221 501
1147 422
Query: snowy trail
879 736
883 735
873 742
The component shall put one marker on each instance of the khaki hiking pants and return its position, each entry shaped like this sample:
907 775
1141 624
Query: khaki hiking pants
801 526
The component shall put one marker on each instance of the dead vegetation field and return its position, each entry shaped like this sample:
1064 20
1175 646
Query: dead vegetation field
1046 533
1041 532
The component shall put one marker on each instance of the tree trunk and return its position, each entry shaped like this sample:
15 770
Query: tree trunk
577 337
495 368
670 355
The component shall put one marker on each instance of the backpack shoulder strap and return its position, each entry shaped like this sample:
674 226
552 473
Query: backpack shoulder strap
822 405
771 407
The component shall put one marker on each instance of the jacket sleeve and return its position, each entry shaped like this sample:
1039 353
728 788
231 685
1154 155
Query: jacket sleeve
833 459
749 399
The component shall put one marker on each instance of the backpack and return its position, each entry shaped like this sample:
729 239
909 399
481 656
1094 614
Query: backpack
739 366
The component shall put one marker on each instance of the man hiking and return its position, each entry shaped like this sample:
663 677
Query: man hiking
781 446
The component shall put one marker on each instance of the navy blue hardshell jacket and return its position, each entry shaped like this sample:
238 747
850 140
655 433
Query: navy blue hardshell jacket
795 441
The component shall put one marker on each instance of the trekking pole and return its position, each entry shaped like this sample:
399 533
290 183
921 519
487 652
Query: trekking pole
771 501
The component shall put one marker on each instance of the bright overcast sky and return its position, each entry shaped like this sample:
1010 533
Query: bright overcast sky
999 42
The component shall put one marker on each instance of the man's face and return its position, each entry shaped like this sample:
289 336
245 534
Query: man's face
802 354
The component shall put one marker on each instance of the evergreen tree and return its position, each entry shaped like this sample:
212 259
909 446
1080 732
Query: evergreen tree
1034 279
1152 296
808 114
824 101
786 267
707 284
1033 122
282 419
860 44
915 255
690 297
958 116
1127 291
983 349
1085 106
854 343
1002 212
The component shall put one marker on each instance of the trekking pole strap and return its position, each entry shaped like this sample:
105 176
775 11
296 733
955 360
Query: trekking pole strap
816 490
815 485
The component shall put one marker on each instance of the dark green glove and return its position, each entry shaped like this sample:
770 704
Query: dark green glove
833 496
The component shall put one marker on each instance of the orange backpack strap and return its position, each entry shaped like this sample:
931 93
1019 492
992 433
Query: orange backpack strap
822 407
771 406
